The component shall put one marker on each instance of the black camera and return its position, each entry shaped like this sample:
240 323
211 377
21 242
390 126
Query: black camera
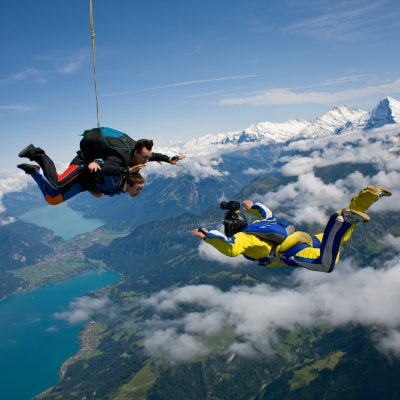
231 205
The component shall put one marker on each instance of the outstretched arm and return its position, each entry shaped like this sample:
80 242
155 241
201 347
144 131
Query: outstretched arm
164 158
231 247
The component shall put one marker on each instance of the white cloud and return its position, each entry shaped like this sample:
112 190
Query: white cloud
347 79
298 165
186 83
308 199
168 344
73 63
84 308
6 220
344 21
16 181
255 314
390 343
12 182
255 171
379 146
16 107
25 73
199 163
214 93
66 63
289 96
392 241
211 324
164 302
243 349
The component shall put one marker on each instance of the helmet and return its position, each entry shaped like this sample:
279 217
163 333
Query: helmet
234 222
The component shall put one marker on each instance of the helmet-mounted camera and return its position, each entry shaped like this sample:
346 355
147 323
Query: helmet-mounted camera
234 221
231 205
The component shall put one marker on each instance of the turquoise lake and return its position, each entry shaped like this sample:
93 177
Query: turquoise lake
62 220
33 343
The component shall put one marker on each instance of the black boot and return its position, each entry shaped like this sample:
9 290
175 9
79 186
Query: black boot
29 168
30 152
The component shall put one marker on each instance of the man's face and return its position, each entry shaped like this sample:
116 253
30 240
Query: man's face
142 156
134 190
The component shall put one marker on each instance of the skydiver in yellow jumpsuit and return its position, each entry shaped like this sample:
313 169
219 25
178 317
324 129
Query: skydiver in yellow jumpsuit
274 243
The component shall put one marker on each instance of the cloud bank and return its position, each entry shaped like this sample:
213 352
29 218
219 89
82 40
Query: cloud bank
310 200
184 318
200 163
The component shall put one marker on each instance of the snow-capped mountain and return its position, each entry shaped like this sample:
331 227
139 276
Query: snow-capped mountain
334 121
257 132
386 112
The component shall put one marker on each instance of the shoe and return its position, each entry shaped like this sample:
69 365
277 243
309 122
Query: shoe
29 168
354 217
27 152
380 191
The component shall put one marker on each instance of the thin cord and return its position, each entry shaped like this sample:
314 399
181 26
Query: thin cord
94 61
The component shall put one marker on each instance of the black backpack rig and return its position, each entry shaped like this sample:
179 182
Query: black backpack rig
105 142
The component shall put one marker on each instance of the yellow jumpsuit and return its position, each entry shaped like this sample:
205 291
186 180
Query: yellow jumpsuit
315 252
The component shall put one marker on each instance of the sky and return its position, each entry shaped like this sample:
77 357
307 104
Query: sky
175 70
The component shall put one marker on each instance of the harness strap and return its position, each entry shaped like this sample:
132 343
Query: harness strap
286 257
272 256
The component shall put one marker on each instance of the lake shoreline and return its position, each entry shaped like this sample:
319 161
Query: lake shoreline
46 288
67 261
87 343
34 334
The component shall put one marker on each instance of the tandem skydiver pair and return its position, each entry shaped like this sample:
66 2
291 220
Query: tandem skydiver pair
108 163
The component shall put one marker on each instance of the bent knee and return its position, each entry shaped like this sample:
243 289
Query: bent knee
54 200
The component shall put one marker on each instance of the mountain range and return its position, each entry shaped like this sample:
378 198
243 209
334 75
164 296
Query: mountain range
336 120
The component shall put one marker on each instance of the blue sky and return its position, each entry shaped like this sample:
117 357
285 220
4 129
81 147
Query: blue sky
177 69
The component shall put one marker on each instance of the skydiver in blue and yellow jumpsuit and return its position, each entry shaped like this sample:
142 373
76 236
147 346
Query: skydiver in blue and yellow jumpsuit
274 243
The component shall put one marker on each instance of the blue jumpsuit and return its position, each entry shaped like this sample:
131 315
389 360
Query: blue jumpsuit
110 185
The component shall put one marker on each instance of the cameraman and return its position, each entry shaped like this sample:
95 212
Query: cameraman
274 243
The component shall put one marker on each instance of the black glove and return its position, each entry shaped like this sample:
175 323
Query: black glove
174 158
203 230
